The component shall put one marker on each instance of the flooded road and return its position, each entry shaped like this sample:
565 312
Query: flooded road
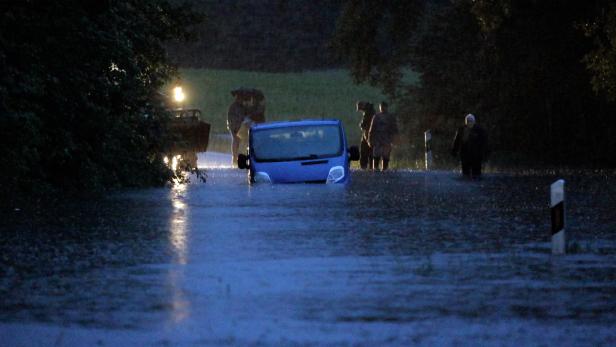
402 258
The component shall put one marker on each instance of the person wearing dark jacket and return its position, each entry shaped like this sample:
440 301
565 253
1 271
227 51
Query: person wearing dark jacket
365 151
471 145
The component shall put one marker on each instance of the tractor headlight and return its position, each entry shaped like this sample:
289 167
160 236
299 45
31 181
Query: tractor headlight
336 174
178 94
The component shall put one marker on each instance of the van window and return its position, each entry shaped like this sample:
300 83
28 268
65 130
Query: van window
297 143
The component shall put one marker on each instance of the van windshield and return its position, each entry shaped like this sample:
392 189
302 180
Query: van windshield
297 143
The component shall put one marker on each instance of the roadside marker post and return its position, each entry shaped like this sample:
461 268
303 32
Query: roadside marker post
557 211
428 141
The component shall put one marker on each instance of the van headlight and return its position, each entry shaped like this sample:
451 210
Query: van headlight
336 174
262 177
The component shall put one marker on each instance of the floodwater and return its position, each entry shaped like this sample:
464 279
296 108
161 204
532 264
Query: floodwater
401 258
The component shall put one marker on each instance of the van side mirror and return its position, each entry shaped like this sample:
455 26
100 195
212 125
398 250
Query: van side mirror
242 161
354 153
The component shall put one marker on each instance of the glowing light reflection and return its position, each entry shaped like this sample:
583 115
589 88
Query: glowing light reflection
177 232
173 162
178 241
180 305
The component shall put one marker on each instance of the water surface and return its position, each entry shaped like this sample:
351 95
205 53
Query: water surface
390 259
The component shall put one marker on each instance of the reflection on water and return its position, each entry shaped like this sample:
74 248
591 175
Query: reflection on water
180 306
178 240
397 257
177 223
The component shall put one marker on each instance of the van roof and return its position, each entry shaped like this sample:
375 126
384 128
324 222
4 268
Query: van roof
292 123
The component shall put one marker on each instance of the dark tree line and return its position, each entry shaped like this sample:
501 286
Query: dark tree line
264 35
79 83
538 74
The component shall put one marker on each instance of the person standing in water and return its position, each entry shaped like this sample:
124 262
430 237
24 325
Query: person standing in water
470 144
382 133
365 151
247 109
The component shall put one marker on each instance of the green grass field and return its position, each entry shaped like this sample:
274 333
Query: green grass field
289 96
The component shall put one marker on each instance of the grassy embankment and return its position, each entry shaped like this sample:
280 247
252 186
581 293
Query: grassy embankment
323 94
289 96
319 94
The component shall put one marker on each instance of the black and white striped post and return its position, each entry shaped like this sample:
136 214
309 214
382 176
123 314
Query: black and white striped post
428 141
557 209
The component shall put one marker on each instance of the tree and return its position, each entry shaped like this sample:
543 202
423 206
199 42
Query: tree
516 64
374 37
265 35
79 83
601 60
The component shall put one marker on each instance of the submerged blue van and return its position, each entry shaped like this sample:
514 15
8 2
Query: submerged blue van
307 151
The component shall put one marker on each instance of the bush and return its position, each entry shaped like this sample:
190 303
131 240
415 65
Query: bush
79 81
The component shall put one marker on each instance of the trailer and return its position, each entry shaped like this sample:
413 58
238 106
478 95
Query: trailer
190 135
